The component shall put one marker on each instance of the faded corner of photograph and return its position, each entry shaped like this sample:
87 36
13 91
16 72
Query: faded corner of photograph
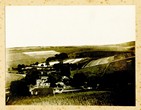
70 55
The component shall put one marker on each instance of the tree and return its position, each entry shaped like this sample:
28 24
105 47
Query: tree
79 79
47 61
53 78
50 59
93 80
36 63
20 67
60 57
19 88
64 69
32 76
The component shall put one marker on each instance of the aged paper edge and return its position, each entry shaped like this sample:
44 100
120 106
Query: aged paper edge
4 3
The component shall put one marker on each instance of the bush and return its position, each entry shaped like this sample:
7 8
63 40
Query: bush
85 79
93 80
19 88
79 79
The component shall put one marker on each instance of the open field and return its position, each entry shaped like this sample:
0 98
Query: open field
27 58
76 98
79 98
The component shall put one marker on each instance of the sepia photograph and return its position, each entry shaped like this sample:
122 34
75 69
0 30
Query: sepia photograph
70 55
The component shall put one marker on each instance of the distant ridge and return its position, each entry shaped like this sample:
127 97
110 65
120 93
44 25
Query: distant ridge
131 43
125 44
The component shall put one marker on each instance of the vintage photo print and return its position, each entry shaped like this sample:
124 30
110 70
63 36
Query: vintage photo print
70 55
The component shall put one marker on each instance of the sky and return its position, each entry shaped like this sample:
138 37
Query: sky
69 25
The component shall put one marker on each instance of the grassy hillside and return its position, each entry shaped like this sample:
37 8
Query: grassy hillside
116 65
91 98
81 98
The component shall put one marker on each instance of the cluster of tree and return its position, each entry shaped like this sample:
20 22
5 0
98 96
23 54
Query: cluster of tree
32 75
53 78
21 87
85 79
64 69
20 67
60 57
115 80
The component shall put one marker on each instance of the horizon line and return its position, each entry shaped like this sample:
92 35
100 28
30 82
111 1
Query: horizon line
67 45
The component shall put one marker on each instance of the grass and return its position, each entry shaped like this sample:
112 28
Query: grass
76 98
103 98
12 77
15 58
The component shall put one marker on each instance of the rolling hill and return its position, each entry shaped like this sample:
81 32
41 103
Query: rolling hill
17 55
